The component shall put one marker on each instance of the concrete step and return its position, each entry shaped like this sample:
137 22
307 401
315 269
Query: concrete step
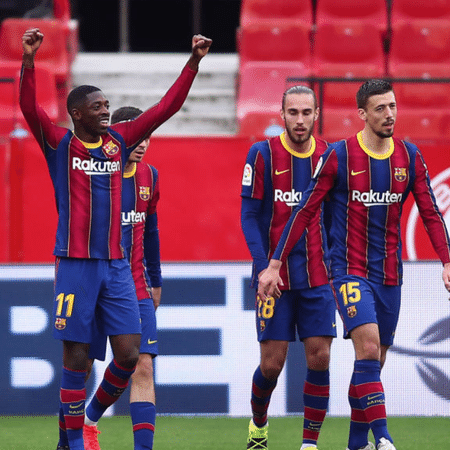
142 79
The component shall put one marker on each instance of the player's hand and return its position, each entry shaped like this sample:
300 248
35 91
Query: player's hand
446 276
156 295
200 46
31 41
269 281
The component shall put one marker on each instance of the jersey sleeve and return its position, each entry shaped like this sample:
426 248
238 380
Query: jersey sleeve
151 236
250 208
47 134
429 211
134 131
252 195
321 183
253 176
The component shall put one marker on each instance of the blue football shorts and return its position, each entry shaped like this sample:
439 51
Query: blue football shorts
361 301
92 293
305 312
149 336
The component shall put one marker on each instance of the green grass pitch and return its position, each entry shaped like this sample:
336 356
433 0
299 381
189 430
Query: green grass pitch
220 433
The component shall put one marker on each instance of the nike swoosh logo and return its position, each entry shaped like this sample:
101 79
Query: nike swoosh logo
279 172
151 342
76 406
371 397
357 173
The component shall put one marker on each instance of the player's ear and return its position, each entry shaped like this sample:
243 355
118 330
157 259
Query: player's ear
75 114
362 114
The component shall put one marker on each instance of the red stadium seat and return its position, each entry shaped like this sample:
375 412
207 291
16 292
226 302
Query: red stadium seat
347 52
420 49
10 114
253 11
275 42
57 52
340 123
260 124
407 10
435 95
373 12
261 86
423 124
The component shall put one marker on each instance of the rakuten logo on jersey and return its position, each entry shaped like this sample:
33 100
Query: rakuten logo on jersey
132 217
373 198
94 167
291 198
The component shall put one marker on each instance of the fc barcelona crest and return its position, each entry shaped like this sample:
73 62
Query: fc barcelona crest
262 325
110 148
351 311
400 174
60 323
144 193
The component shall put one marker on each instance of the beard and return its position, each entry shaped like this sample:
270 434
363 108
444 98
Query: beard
298 139
384 134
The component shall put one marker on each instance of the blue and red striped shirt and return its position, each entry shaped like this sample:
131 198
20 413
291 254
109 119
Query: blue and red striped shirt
277 176
139 226
367 192
87 178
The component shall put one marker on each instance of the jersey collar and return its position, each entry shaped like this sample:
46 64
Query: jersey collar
131 172
294 152
373 154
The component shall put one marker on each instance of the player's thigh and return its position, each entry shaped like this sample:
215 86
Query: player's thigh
117 310
149 334
315 312
387 304
77 286
355 300
275 318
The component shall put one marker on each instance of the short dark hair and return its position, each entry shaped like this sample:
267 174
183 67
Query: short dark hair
125 113
300 89
78 94
370 88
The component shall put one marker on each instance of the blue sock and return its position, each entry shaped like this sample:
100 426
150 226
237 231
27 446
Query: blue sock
115 381
370 394
63 440
73 398
359 427
143 416
262 389
316 394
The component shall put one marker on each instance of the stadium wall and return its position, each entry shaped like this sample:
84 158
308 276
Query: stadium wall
200 179
208 347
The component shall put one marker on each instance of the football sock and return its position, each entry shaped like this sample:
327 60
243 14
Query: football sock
73 399
63 440
316 393
370 393
359 427
143 415
262 389
115 381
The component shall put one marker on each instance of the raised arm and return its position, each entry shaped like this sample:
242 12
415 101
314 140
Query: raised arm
38 121
140 128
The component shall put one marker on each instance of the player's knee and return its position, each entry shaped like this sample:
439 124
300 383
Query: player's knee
318 360
369 350
271 369
144 368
